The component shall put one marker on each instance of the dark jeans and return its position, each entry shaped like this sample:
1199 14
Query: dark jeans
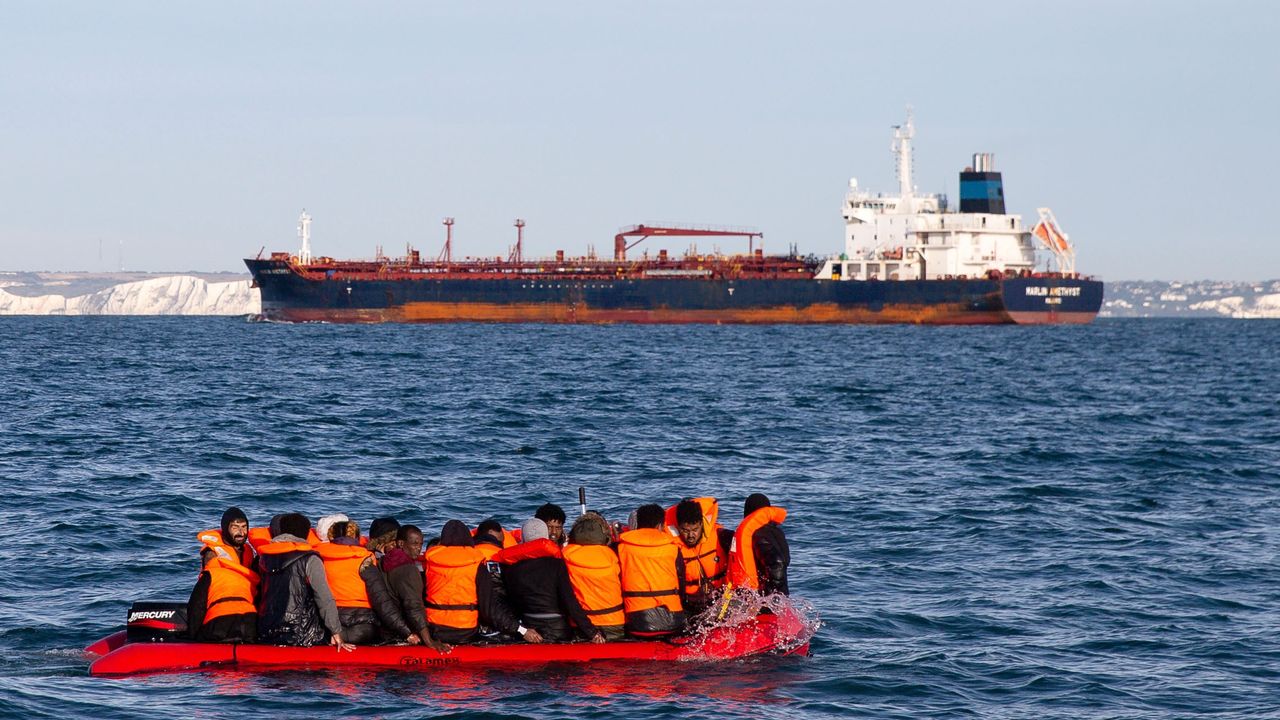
452 635
554 629
362 634
654 622
230 628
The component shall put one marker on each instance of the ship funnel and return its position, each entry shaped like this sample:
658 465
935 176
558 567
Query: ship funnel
982 188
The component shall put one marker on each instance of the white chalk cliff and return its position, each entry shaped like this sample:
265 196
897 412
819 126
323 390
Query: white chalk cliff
1259 306
170 295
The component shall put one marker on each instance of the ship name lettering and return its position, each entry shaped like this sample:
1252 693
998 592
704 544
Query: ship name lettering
1035 291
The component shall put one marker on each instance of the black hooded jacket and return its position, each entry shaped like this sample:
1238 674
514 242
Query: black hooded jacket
773 555
384 611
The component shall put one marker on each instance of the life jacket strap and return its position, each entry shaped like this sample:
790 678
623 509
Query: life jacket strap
650 593
605 611
438 606
229 599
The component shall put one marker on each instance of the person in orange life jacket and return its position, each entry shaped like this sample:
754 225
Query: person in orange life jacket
220 608
652 569
460 592
538 588
366 608
554 517
490 538
325 525
400 550
295 604
760 553
233 534
593 571
706 554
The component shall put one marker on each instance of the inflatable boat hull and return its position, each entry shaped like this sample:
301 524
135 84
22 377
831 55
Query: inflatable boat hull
766 634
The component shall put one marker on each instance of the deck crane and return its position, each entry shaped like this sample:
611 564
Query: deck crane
642 231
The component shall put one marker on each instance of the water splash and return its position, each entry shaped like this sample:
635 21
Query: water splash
797 621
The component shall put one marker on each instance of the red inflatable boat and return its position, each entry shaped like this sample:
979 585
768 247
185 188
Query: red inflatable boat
786 634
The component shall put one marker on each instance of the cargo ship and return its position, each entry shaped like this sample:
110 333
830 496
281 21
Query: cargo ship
908 258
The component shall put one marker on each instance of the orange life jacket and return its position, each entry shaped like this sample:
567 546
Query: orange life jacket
594 573
710 511
212 540
488 550
259 536
314 538
527 551
232 587
742 557
279 548
451 586
705 565
648 560
342 570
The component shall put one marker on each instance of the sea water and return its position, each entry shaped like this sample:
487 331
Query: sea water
989 522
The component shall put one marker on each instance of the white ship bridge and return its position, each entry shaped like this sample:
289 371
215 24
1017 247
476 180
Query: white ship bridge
912 236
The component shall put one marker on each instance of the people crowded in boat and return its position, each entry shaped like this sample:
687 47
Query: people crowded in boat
293 584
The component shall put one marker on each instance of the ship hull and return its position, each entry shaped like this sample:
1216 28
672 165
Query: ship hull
289 296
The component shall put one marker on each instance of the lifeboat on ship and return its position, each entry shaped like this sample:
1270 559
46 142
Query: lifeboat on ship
151 643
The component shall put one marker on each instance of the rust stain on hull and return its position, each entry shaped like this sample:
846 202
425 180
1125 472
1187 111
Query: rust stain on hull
1052 318
824 313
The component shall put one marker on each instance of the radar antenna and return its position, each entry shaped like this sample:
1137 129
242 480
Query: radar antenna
902 135
304 233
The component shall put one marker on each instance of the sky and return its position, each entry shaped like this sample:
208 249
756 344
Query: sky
164 136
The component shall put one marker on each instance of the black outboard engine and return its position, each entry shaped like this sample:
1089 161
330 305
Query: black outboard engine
157 622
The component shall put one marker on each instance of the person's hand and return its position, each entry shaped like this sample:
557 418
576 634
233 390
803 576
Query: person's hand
442 648
598 638
531 636
412 639
337 642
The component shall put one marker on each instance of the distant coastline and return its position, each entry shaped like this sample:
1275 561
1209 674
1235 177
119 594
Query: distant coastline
227 293
121 293
1198 298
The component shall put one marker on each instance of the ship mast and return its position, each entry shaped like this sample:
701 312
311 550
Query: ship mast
304 233
902 135
447 253
517 254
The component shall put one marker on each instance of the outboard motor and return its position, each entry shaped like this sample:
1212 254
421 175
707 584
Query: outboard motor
156 622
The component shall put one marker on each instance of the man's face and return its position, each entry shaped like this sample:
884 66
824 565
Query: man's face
412 544
690 533
555 530
239 531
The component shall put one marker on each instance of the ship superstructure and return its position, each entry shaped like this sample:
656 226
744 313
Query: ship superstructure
915 236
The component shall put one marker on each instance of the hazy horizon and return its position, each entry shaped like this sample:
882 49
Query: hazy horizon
192 136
